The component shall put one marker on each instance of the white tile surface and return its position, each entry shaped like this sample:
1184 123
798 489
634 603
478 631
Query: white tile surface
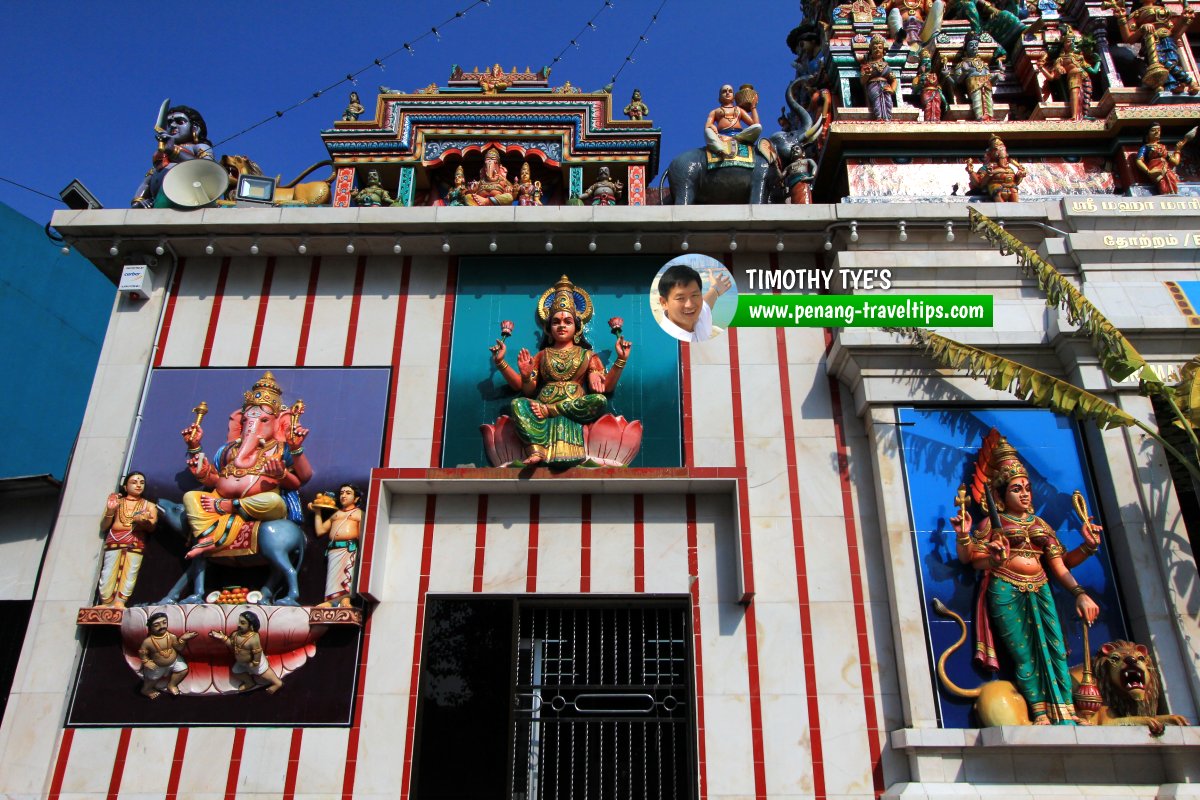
558 544
375 337
264 761
505 561
331 312
239 311
206 760
322 767
193 307
612 543
285 311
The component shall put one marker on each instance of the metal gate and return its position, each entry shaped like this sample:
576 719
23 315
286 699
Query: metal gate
602 703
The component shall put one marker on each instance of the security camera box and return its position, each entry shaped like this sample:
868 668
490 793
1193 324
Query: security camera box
137 281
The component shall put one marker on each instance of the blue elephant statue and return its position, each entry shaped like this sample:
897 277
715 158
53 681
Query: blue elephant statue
281 544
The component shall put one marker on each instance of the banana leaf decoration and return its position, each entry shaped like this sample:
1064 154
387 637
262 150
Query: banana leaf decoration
1031 385
1118 358
1187 392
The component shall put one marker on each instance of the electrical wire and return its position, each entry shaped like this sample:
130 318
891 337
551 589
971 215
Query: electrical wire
352 77
589 25
35 191
629 58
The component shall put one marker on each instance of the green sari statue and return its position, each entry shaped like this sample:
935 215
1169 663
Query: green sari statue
563 387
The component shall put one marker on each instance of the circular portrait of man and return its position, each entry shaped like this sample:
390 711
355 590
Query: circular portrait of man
693 297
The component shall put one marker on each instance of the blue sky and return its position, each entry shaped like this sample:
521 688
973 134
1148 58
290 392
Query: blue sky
82 82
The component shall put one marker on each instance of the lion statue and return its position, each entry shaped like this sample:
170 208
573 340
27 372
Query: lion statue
313 193
1124 671
1128 681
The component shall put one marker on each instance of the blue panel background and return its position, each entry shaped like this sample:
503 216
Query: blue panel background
939 445
1191 289
344 410
495 289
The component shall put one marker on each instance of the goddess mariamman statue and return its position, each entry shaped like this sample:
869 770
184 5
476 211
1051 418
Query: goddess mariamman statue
563 387
1015 549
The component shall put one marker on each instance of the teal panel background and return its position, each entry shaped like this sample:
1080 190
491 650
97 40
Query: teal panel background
938 445
498 288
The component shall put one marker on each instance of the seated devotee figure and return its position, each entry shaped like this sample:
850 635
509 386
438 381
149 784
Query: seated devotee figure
184 137
879 84
1072 66
723 128
999 175
1158 163
250 667
128 517
636 108
493 187
604 192
163 666
529 191
974 73
1156 28
1018 554
563 387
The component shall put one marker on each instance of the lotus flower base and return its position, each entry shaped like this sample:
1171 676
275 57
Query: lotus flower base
610 441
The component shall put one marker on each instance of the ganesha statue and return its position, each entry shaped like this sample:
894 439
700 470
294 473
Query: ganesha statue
254 476
559 417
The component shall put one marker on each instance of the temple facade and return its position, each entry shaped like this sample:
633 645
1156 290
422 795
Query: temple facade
521 541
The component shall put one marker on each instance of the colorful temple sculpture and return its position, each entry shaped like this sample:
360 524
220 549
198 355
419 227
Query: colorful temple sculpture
552 502
559 137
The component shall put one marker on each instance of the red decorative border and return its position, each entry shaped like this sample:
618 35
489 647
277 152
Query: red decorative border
343 187
637 185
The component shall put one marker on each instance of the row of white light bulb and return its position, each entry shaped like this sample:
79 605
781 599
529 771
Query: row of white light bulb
397 248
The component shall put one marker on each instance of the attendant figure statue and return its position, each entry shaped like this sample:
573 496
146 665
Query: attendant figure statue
636 108
723 128
563 387
373 194
879 84
161 653
799 174
604 192
999 175
1072 66
907 17
974 73
128 517
928 88
183 137
493 187
1158 29
527 194
1018 553
1158 162
254 476
457 194
354 110
343 529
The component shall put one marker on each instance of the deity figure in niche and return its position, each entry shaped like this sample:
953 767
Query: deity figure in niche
1018 553
879 84
973 71
528 191
563 387
493 187
246 481
604 192
373 194
1157 29
1158 163
457 194
1073 67
183 136
999 175
928 88
908 17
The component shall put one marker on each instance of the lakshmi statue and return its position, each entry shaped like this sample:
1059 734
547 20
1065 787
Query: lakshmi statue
457 194
1158 29
879 84
563 387
999 175
1073 67
493 187
1018 553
